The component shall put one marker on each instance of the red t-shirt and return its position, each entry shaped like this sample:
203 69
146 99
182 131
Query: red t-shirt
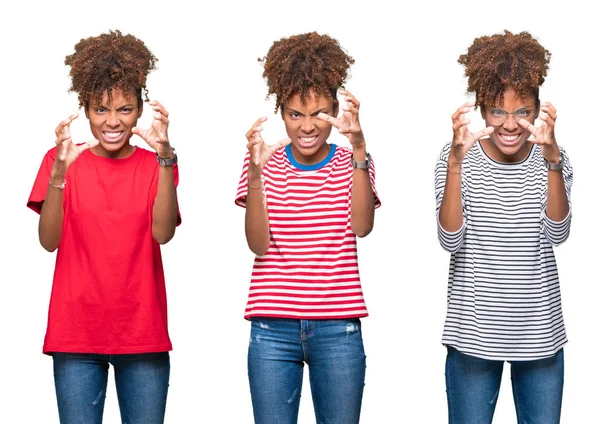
108 295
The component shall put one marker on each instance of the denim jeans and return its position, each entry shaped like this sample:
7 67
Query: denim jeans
334 353
142 381
473 384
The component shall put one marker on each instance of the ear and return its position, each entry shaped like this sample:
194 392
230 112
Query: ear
537 107
482 110
281 110
336 107
140 110
87 112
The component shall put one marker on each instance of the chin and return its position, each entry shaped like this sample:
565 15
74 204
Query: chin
515 150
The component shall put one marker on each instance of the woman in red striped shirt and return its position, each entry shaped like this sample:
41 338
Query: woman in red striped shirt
306 201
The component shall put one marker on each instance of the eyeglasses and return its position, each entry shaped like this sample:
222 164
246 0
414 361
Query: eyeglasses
498 116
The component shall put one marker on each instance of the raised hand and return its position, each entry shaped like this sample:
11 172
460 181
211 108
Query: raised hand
67 151
260 152
156 136
463 139
544 134
347 123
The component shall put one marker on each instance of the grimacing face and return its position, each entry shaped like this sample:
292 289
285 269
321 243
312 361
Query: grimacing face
509 139
111 122
308 133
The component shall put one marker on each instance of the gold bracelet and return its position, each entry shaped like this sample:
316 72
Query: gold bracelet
453 172
256 188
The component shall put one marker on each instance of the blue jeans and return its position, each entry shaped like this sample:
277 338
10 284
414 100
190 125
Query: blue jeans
473 384
334 353
142 381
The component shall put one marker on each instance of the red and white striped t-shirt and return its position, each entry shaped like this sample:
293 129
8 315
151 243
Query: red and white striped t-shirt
310 270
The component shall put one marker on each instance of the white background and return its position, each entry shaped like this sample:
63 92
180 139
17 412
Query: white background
409 83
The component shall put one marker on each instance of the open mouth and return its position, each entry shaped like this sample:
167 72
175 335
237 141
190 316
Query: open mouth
113 136
308 142
510 139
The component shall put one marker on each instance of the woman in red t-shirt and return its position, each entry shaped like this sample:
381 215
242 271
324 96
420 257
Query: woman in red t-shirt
107 205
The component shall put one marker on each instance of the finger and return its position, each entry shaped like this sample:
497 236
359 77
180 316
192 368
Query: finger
483 132
351 108
88 145
327 118
349 97
549 110
260 121
528 126
281 143
161 117
65 123
549 106
462 110
547 119
136 131
157 107
254 133
460 123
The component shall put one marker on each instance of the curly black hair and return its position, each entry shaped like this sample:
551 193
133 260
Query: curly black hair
109 61
305 62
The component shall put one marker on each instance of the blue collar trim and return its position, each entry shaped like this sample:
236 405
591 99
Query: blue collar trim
313 167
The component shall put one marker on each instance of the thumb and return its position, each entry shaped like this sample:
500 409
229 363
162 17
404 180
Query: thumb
88 145
282 143
327 118
136 131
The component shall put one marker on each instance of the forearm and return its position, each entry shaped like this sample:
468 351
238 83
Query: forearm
164 212
557 205
451 212
362 208
52 215
257 219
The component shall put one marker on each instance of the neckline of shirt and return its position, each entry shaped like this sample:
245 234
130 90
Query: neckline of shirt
115 161
505 165
313 167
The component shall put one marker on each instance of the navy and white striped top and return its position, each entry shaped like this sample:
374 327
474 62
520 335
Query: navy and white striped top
503 290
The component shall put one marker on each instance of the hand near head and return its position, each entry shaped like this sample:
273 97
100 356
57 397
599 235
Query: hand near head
463 139
67 151
544 134
347 123
156 136
260 152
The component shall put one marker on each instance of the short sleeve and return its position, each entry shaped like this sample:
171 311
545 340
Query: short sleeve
176 182
40 185
372 180
242 191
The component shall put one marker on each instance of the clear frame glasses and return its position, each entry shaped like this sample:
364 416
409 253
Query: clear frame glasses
498 116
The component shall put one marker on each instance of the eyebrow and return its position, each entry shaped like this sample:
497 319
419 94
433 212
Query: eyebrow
120 107
322 110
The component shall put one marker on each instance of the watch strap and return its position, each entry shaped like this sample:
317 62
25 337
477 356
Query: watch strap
361 164
167 161
554 166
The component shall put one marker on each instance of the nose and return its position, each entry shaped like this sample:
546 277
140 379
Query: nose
511 123
112 120
307 124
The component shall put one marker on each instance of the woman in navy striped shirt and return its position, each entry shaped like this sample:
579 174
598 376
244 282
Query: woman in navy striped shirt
503 201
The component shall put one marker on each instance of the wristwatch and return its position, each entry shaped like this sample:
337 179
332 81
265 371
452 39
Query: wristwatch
555 166
167 162
361 164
